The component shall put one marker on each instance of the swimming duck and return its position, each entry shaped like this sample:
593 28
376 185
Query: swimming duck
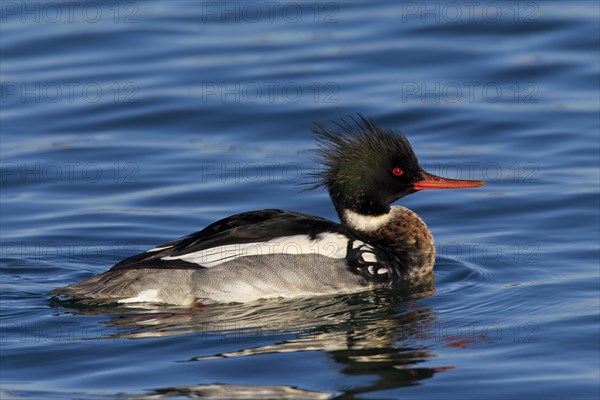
276 253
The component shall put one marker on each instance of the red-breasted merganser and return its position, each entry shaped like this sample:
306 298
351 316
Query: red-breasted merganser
276 253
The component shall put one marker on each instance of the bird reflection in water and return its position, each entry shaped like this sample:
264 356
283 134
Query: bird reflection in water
384 333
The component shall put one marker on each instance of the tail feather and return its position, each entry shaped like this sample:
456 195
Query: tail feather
109 285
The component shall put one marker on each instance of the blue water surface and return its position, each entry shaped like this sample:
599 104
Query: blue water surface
128 124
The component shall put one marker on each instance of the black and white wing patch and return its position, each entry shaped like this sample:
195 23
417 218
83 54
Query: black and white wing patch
329 244
260 233
370 262
249 234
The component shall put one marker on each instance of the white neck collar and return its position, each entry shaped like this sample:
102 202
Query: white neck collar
366 223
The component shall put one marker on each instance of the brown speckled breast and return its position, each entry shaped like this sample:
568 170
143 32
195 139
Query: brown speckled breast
409 240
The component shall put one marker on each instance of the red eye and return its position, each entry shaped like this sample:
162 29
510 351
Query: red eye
397 171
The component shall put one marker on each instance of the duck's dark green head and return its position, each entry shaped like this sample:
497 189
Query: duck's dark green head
366 167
